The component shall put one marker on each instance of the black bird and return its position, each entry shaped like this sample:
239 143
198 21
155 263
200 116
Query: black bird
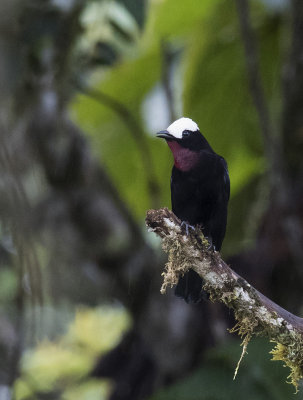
200 190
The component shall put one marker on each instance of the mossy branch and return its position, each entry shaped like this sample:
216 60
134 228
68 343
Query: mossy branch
254 312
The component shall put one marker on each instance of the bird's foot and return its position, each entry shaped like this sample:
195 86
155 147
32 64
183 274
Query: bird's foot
187 227
211 246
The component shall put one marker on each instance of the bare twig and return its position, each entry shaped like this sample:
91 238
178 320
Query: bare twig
255 313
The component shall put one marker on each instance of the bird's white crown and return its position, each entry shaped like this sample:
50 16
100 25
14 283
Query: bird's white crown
176 128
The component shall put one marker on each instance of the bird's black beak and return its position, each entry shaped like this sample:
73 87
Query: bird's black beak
164 134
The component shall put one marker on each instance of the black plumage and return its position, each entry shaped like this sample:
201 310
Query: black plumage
200 190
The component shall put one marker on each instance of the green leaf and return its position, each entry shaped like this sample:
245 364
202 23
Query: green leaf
129 83
176 17
113 139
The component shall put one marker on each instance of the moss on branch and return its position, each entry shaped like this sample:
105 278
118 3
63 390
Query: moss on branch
254 312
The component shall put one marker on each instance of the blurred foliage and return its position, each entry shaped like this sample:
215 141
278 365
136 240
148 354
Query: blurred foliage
8 285
257 378
211 71
121 55
109 31
61 367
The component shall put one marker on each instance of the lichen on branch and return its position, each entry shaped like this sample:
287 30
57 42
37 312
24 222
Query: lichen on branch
254 312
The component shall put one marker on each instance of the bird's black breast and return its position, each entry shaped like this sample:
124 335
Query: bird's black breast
200 195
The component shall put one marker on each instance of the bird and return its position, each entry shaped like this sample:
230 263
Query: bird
200 190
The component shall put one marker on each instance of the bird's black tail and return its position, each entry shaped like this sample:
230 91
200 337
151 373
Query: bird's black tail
189 287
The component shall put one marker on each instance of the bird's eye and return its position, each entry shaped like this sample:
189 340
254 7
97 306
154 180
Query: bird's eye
185 133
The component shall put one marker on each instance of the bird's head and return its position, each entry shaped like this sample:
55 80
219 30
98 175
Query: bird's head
185 141
186 133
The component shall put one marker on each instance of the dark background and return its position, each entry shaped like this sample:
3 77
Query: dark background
85 85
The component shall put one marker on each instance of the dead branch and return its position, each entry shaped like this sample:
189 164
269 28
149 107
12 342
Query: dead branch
254 312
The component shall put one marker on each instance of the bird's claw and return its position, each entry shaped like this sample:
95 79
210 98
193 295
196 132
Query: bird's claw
187 227
211 246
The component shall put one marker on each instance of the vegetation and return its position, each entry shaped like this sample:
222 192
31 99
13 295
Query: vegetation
85 85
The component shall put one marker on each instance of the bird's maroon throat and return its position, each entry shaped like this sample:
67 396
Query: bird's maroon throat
185 159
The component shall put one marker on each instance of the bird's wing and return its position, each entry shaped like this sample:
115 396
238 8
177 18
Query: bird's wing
226 178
